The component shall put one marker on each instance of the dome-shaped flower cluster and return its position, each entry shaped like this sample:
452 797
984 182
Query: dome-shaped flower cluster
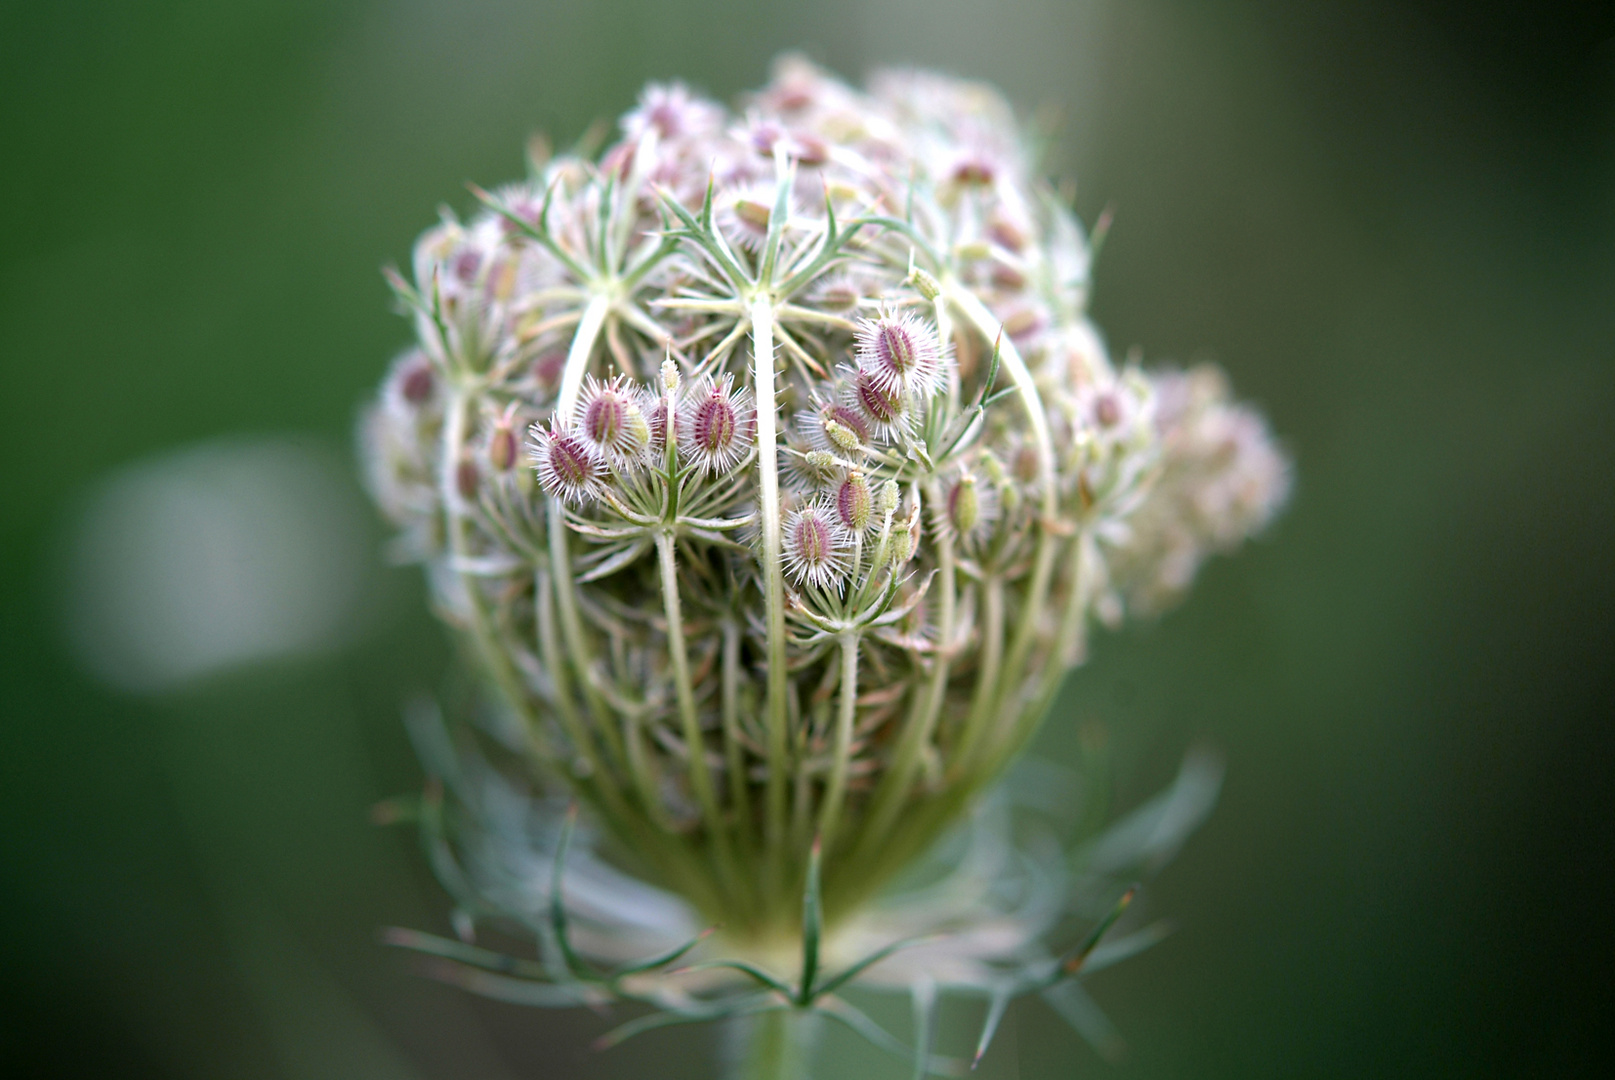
772 470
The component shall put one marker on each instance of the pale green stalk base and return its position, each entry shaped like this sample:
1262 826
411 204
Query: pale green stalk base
775 1045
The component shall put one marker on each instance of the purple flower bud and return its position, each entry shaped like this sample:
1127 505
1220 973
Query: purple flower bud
466 264
609 419
569 468
1107 410
815 547
900 355
672 112
548 367
841 429
974 171
416 381
885 409
716 425
502 446
1022 323
854 504
466 478
1025 466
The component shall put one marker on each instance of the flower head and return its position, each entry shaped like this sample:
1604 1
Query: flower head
824 512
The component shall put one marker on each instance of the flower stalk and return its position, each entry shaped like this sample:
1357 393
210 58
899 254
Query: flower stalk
761 317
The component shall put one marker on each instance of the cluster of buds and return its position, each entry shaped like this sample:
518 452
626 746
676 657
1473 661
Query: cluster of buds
773 473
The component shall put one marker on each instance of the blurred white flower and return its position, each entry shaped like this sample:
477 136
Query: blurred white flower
215 556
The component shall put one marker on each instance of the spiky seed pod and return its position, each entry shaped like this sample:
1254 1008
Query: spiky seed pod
841 434
815 547
886 499
671 111
1024 464
964 505
570 467
1004 489
883 409
839 294
717 425
900 355
841 429
854 503
744 216
610 420
969 509
810 470
1107 410
467 478
905 539
656 411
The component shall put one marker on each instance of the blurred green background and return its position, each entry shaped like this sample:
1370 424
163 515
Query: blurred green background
1393 223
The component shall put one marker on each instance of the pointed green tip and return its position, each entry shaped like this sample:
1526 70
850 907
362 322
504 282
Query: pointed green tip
1074 962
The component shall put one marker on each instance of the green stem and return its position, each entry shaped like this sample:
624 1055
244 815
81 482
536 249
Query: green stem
894 788
571 722
775 1045
835 791
739 789
577 357
992 650
577 643
944 333
700 777
1069 644
919 829
762 336
1026 629
495 658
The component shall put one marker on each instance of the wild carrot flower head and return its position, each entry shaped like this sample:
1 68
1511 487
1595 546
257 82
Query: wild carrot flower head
827 477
